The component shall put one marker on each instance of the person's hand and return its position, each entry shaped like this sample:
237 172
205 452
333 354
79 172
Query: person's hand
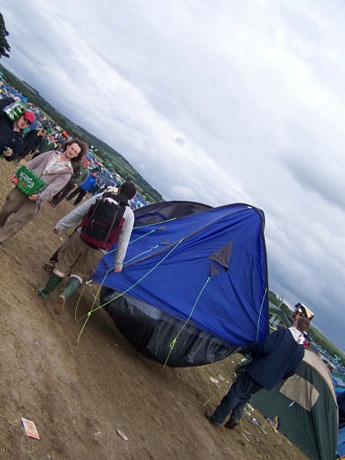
8 152
32 197
245 351
117 270
14 179
56 230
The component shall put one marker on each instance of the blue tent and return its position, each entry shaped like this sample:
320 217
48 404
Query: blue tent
194 285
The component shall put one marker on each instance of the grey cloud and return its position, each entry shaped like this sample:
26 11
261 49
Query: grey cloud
319 174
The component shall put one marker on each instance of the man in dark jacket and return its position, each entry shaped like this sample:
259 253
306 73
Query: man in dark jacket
11 132
273 361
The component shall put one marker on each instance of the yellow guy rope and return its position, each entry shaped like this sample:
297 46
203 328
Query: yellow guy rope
122 293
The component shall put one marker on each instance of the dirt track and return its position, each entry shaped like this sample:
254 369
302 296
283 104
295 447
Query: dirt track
80 393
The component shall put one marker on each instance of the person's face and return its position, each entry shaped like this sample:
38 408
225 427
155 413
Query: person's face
72 151
22 122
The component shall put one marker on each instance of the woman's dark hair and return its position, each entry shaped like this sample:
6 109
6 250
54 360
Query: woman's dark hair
128 190
83 149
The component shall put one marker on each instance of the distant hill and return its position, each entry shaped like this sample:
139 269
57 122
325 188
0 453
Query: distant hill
112 159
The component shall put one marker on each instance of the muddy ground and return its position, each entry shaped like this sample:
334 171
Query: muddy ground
80 393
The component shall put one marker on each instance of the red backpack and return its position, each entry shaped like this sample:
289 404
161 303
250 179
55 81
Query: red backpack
104 220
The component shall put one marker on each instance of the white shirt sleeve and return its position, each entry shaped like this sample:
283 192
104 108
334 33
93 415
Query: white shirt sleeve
75 217
124 237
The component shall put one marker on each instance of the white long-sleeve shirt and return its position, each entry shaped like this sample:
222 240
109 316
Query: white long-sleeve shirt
75 217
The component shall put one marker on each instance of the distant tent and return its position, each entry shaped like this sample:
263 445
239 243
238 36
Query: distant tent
194 287
306 407
278 317
341 443
339 382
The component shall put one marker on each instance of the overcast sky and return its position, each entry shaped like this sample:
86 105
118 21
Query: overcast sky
215 101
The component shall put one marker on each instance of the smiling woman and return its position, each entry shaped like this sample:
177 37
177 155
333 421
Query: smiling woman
55 170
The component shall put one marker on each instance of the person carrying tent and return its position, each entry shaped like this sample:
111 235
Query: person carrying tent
302 310
104 220
274 360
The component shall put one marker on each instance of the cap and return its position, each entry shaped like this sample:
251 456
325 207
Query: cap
30 116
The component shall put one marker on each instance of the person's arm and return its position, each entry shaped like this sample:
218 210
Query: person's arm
76 216
269 344
6 101
55 186
17 147
9 154
32 164
123 241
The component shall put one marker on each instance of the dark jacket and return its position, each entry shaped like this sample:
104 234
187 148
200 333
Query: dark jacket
80 174
276 359
8 137
30 143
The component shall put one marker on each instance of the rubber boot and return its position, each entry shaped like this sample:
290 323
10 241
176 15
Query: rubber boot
53 281
71 286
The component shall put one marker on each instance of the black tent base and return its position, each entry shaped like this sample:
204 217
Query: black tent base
160 336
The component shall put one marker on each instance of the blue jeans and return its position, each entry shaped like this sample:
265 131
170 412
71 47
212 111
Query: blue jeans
235 400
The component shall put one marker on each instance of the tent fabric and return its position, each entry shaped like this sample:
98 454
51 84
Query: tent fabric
151 332
301 391
307 411
206 269
278 316
313 359
167 210
341 442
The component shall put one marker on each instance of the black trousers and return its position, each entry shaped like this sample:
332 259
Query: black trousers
78 191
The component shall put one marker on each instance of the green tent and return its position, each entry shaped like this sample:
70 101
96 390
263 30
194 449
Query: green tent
278 317
306 408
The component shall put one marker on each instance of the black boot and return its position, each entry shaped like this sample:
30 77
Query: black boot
71 286
53 281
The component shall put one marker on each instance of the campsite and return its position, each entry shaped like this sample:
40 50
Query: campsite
84 395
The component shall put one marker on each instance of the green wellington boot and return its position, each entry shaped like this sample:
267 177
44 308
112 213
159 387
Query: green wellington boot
53 281
71 286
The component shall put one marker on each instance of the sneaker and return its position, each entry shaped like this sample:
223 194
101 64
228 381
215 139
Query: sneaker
209 417
231 424
60 305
